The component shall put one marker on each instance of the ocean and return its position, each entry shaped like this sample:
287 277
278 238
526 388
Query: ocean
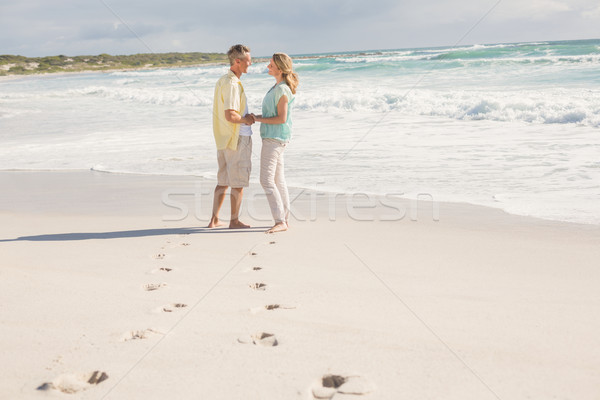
513 126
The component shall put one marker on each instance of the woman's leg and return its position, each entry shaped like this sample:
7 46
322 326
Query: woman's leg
269 159
282 187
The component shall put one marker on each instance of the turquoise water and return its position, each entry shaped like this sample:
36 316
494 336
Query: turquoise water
513 126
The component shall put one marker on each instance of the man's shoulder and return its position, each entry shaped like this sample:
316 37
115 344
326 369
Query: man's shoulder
223 79
229 77
227 83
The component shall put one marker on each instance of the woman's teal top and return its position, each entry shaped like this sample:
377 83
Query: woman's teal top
283 131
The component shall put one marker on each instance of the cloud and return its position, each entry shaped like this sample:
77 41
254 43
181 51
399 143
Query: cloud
40 27
592 13
117 30
531 9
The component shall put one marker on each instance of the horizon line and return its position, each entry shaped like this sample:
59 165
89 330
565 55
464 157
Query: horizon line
318 53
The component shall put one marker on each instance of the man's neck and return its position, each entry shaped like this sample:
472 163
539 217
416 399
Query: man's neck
237 73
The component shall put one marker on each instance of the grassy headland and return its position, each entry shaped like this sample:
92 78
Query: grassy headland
20 65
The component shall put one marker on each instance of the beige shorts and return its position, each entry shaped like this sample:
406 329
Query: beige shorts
235 165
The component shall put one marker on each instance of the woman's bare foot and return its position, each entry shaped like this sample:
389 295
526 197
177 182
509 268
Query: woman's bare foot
279 227
237 224
214 222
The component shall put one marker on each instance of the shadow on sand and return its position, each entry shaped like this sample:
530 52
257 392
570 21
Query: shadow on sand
57 237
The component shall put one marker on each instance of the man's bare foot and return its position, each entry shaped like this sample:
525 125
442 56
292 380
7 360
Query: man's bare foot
237 224
214 223
279 227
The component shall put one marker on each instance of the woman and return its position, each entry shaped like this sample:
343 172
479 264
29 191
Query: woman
276 131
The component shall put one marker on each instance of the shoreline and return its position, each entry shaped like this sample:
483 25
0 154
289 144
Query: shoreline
371 198
332 54
91 71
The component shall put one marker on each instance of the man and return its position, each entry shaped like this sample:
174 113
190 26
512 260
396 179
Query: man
232 130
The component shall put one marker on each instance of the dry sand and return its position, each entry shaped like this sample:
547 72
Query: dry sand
107 293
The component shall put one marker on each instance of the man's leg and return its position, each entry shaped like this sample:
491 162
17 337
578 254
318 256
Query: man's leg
240 167
220 190
236 205
220 193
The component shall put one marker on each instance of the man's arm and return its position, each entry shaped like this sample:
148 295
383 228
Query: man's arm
235 118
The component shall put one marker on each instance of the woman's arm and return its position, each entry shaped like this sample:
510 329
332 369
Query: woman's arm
281 118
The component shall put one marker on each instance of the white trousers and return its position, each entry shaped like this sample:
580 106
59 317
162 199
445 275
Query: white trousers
272 179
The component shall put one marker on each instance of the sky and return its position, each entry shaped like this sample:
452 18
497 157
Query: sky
36 28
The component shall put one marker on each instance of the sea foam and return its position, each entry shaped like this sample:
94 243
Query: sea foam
513 126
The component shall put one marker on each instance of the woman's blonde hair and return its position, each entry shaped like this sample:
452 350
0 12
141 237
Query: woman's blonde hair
284 63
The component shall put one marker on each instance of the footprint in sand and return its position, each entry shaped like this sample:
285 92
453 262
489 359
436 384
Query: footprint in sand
173 307
170 245
149 287
136 335
161 270
271 307
330 385
260 339
258 286
73 383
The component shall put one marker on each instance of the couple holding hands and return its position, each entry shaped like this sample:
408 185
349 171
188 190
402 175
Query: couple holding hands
232 127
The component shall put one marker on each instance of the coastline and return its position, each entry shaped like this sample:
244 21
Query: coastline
91 71
474 304
120 69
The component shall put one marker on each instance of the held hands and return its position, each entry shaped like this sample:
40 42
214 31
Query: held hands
249 119
254 118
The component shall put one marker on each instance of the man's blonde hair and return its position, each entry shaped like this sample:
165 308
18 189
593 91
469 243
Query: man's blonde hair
237 51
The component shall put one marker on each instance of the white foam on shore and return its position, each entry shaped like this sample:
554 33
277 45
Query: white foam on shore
148 96
510 166
521 138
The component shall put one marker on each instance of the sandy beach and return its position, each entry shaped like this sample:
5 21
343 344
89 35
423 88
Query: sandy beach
112 289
